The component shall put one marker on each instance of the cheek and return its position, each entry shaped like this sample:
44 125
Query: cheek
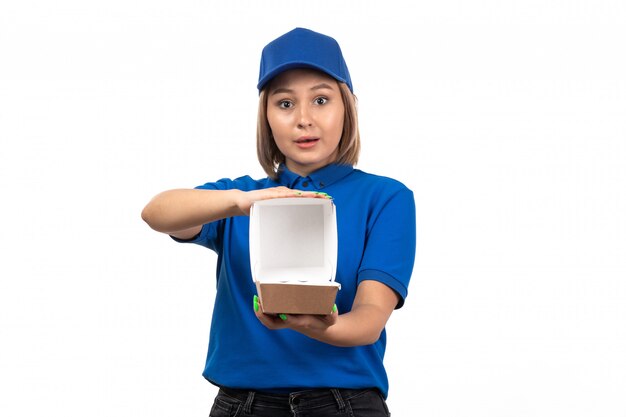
337 125
335 119
277 123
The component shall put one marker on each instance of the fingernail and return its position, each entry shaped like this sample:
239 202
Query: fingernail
255 303
323 194
334 308
283 317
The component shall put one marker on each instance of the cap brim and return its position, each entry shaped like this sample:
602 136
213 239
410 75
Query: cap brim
291 65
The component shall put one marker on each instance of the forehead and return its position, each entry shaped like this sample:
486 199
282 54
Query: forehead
301 77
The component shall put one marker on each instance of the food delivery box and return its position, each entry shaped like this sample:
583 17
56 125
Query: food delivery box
293 254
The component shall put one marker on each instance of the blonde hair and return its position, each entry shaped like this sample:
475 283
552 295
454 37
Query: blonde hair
270 157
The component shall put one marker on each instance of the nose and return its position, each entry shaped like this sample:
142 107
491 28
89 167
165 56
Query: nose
304 118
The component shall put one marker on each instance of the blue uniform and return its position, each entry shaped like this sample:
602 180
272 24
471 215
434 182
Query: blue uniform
376 241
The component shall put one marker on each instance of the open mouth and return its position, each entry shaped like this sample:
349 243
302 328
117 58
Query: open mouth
306 143
307 140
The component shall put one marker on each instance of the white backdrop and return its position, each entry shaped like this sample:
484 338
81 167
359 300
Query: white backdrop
506 119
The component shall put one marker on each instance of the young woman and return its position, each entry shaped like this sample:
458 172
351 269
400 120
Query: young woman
307 142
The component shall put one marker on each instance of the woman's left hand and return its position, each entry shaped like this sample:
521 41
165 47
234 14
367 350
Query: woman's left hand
362 325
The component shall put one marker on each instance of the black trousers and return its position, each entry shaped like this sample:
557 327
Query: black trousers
309 403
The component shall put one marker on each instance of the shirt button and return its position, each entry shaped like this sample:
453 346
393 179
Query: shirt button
305 184
322 184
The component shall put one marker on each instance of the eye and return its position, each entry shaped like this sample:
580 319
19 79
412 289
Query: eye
320 100
285 104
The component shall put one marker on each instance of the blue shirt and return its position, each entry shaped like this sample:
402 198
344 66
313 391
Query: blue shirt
376 241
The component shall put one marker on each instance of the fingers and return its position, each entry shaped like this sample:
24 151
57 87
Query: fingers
288 192
312 194
272 322
276 192
300 322
331 318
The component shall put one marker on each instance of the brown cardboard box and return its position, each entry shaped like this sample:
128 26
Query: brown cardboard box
293 254
296 298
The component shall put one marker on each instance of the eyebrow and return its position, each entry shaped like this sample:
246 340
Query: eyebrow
320 86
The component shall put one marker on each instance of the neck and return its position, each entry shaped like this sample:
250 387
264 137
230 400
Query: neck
302 170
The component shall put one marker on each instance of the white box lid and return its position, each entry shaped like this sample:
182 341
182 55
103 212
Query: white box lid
293 240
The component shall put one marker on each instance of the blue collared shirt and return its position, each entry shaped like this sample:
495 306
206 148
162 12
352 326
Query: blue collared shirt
376 241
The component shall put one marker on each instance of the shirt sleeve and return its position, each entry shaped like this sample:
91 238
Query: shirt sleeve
211 234
390 244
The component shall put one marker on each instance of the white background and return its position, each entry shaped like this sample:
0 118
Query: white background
507 120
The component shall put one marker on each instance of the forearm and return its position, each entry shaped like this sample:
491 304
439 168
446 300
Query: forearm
372 307
180 209
361 326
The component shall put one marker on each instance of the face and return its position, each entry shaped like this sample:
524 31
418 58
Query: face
305 113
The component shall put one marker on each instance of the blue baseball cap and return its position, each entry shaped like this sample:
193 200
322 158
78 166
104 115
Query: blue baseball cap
303 48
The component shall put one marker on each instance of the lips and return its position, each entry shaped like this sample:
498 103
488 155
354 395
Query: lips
306 141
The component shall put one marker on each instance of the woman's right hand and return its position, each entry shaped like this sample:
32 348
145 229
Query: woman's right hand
182 212
246 198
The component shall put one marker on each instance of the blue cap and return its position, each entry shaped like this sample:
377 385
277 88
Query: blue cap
303 48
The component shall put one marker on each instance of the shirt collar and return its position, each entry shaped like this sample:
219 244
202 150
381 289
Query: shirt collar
321 178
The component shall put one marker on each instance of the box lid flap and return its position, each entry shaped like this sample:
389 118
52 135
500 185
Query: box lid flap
293 240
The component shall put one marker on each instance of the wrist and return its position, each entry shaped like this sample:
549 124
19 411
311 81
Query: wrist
240 202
